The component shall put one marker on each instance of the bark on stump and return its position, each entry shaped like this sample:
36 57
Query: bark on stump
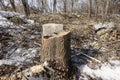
56 49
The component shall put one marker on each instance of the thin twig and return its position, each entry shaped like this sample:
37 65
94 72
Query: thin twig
37 44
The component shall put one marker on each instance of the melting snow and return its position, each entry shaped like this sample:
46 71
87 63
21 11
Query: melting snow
108 71
20 56
16 55
9 14
30 21
108 25
2 18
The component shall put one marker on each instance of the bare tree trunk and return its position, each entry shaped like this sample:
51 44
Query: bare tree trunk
96 9
89 8
40 4
54 6
65 5
12 2
103 10
44 6
72 5
116 9
107 8
26 7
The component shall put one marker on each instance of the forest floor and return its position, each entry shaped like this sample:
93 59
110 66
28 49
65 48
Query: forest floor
95 46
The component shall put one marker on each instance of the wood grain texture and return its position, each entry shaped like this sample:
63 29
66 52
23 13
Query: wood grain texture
57 48
51 28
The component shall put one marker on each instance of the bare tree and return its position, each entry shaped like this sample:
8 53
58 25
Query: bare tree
106 8
114 6
89 8
26 7
72 1
103 9
54 6
12 2
39 5
65 5
96 9
45 7
42 6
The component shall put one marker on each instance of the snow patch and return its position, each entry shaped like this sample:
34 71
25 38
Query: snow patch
8 14
5 23
29 21
107 25
106 72
2 18
20 56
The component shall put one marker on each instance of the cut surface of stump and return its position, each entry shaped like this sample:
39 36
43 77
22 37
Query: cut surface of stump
56 48
51 28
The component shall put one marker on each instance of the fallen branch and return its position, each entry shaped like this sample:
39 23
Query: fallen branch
92 58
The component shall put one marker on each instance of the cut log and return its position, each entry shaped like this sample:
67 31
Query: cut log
56 47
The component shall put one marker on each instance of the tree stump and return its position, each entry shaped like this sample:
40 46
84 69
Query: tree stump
56 49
